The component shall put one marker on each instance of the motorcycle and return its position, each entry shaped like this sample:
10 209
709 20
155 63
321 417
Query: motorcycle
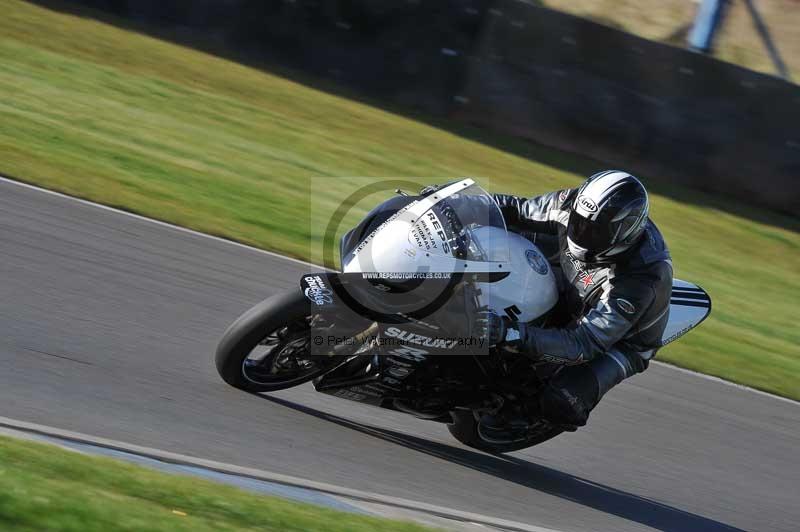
393 329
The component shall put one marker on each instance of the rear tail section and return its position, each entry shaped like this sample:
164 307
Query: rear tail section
688 307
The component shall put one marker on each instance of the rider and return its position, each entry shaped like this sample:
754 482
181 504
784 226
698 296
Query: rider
615 277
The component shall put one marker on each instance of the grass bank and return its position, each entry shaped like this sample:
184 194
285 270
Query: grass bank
44 487
168 132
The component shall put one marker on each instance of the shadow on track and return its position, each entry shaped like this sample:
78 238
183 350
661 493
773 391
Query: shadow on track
536 477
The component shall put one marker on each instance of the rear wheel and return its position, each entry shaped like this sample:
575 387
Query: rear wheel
268 347
465 429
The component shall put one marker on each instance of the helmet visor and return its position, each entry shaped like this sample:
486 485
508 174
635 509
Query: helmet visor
593 236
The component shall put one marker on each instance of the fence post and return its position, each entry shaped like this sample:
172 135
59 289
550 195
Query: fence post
706 22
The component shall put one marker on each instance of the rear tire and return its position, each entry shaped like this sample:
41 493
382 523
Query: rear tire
465 429
246 333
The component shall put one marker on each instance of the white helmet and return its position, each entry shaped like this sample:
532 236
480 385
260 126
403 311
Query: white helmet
608 216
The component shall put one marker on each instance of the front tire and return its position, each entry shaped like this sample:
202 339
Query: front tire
282 320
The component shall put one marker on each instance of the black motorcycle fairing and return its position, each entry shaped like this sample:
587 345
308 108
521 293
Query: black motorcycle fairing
422 374
427 388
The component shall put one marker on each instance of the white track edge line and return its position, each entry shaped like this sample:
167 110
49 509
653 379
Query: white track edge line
273 254
720 380
258 474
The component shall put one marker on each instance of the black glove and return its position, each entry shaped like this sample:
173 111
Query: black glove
489 326
518 340
513 342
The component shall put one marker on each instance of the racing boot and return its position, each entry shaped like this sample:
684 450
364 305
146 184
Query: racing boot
505 426
576 390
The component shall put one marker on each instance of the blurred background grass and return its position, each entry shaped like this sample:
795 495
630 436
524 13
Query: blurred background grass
168 132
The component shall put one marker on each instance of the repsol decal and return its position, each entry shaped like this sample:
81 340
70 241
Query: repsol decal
437 227
428 234
317 291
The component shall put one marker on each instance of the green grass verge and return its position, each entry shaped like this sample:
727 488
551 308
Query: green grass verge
168 132
44 487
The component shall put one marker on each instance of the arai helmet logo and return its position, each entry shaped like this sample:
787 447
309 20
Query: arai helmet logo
317 292
587 203
536 261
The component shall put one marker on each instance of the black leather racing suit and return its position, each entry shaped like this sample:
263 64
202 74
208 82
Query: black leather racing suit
617 312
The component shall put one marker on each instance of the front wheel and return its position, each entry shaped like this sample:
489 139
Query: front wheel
268 347
464 428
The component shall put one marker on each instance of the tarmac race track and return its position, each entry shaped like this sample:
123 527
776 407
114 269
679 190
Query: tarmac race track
108 324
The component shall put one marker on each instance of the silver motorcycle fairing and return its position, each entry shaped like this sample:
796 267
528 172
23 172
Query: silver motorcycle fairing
417 240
